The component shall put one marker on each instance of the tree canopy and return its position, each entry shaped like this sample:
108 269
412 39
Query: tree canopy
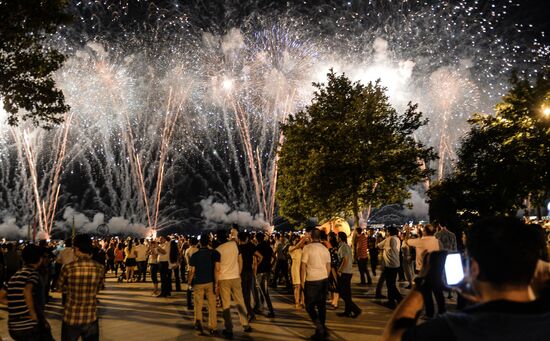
347 150
27 88
503 159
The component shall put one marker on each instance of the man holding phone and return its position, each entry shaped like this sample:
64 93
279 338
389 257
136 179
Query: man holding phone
504 253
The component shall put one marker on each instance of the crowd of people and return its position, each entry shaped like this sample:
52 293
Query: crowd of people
235 266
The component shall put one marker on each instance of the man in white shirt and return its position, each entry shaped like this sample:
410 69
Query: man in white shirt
141 259
164 268
391 246
314 272
229 285
428 243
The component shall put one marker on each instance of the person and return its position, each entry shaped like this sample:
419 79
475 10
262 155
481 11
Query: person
187 255
174 264
64 257
154 265
391 246
408 263
332 246
110 257
446 238
428 243
119 258
247 250
230 283
81 280
344 277
295 250
264 259
141 259
281 265
163 250
373 251
362 254
204 267
503 253
130 260
25 299
314 271
12 261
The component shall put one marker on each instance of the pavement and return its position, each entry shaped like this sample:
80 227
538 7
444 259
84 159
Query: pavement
128 311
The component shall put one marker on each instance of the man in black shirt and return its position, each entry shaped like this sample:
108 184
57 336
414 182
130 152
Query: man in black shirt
264 257
248 282
203 268
504 253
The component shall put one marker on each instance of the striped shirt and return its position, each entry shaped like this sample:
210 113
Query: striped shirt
362 251
19 314
81 280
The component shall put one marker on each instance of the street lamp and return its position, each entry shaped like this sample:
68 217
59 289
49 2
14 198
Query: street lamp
546 111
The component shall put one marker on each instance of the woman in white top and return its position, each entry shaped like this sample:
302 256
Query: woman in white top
295 250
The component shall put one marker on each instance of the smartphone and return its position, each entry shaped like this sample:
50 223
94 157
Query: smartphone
454 269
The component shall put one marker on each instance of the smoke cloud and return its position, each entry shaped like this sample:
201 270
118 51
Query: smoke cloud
222 213
419 206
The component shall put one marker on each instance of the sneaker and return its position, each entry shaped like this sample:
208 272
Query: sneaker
270 315
356 314
198 326
213 332
247 329
227 334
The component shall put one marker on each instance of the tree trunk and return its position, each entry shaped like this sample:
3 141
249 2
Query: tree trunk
356 209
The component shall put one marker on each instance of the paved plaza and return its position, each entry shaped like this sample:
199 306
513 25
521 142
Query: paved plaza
128 312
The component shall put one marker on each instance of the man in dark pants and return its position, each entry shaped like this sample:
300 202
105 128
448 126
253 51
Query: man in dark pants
264 257
164 269
373 251
314 272
141 259
247 250
391 246
281 267
344 277
362 255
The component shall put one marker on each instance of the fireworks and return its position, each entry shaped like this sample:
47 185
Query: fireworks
171 106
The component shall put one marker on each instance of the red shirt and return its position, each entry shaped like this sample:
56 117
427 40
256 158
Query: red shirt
362 246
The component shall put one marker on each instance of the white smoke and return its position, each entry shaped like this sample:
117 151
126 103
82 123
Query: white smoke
222 213
10 230
419 206
116 225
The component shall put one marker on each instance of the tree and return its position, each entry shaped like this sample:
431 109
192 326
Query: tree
26 85
347 150
503 159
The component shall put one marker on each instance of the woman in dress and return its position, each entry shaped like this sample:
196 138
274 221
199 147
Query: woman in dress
131 254
333 277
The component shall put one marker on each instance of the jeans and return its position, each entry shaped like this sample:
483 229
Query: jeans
362 264
198 295
165 279
88 332
176 272
394 296
142 268
344 286
315 297
373 253
262 279
231 288
154 268
248 282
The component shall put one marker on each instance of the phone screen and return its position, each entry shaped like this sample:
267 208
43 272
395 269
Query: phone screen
454 271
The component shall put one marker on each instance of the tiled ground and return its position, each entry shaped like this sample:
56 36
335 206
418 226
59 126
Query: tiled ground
129 312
